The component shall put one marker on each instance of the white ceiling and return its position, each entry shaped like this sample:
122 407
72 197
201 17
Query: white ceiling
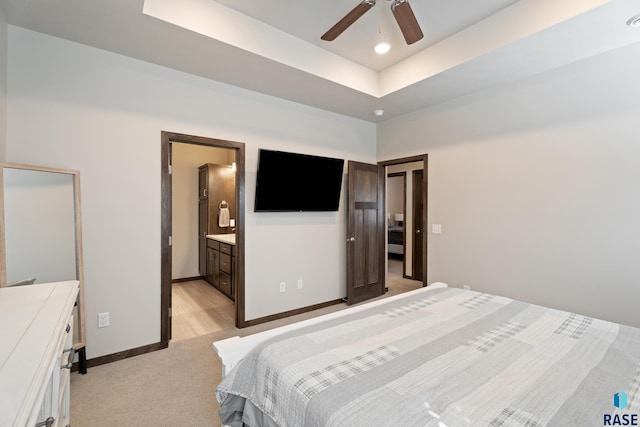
308 20
274 46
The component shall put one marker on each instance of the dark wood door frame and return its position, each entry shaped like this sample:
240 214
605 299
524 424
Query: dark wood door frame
404 214
418 228
167 139
424 158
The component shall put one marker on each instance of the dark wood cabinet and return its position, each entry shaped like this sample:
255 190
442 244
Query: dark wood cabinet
213 266
216 183
220 266
226 269
202 236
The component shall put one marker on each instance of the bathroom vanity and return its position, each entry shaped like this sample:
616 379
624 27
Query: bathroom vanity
221 263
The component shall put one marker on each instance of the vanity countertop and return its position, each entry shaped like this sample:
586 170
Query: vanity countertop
224 238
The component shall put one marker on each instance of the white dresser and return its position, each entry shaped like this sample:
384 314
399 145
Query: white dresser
36 341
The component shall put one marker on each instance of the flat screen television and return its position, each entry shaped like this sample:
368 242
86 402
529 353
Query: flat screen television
291 182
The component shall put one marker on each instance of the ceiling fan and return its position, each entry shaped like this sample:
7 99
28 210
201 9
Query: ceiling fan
401 11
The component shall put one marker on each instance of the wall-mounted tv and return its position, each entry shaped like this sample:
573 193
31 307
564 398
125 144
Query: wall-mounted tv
291 182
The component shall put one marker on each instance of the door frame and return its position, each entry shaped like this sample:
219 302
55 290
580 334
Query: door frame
424 158
414 228
402 174
167 138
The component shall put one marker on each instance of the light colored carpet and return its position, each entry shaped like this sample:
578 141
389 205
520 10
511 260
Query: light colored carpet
170 387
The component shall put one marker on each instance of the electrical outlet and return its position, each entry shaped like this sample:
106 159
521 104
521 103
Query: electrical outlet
103 320
300 284
283 286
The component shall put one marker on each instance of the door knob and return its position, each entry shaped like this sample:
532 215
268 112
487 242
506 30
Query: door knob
351 239
417 231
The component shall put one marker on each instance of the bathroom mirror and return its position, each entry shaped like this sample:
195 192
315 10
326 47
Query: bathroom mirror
41 233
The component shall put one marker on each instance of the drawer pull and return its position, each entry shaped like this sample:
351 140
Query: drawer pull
46 423
72 353
68 328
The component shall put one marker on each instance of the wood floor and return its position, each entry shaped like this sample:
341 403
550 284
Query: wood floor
199 309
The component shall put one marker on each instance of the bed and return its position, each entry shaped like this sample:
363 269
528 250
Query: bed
437 356
395 240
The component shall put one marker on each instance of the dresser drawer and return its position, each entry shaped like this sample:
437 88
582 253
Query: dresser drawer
225 248
34 373
225 263
225 284
213 244
54 409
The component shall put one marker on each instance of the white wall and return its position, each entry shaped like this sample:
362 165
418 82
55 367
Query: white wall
3 86
395 196
537 186
186 159
82 108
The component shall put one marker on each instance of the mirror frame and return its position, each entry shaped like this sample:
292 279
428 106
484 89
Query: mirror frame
80 339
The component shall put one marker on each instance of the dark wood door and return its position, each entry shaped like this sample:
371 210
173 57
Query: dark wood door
212 267
365 232
203 182
203 179
203 212
418 226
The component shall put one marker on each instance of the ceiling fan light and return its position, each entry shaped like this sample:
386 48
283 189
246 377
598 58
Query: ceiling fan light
382 48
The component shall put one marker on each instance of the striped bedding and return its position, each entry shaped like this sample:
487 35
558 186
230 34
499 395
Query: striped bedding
440 357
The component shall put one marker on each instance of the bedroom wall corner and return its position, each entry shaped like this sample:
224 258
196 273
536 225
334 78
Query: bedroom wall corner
536 186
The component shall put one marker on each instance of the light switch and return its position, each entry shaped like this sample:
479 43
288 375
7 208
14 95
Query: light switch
436 228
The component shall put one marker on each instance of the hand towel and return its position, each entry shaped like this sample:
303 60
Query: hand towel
223 217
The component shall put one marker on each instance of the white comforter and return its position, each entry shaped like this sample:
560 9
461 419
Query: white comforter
442 358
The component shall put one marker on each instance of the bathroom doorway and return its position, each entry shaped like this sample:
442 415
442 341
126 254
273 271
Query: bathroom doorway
180 257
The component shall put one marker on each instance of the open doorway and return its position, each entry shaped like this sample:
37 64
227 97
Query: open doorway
406 216
203 178
207 151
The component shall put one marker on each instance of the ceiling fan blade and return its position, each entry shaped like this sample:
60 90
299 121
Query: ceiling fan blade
349 19
406 21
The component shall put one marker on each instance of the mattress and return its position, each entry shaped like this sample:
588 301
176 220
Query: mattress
439 357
